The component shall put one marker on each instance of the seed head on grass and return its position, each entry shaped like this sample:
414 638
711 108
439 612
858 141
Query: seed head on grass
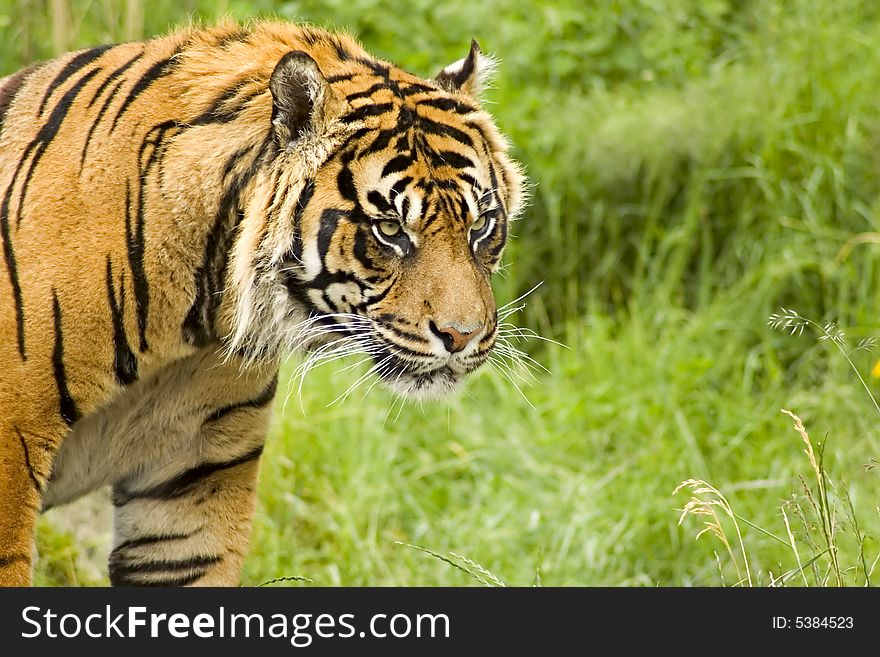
287 578
787 320
790 320
704 502
819 502
811 455
462 563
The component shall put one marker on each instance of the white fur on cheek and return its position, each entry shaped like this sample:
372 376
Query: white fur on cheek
344 295
263 316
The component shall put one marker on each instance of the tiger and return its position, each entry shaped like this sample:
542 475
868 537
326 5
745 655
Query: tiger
180 214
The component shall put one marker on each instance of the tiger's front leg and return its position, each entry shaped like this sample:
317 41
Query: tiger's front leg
193 527
30 435
24 468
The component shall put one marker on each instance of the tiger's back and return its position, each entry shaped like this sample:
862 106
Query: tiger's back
140 183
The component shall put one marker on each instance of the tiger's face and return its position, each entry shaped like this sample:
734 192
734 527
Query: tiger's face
397 233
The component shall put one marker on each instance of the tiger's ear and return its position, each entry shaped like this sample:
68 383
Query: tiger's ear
470 75
301 98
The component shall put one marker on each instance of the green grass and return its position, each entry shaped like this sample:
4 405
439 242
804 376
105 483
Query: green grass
582 481
696 165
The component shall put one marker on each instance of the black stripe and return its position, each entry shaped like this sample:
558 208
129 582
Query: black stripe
397 164
493 180
426 185
406 117
156 71
125 363
104 107
376 67
209 279
345 183
115 74
329 221
456 160
341 52
431 218
381 141
406 334
344 77
27 462
353 138
297 289
66 404
220 112
153 148
260 401
448 105
377 298
399 187
301 203
418 87
11 87
325 279
440 209
403 145
501 227
360 250
9 559
463 209
470 181
12 268
236 35
184 482
124 572
151 539
199 325
434 128
135 247
476 127
395 361
41 142
447 184
451 207
311 37
72 67
362 113
123 580
380 202
366 93
163 565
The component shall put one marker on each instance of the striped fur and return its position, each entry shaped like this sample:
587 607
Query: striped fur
178 214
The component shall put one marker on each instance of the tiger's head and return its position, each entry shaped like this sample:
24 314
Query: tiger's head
384 215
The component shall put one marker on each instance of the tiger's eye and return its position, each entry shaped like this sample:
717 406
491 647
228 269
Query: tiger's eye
389 228
479 223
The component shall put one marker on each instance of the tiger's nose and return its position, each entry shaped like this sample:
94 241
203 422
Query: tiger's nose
453 339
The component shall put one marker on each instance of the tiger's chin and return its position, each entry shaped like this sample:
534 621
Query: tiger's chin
434 384
416 380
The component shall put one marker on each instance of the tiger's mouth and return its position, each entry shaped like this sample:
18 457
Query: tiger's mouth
400 369
421 380
423 385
